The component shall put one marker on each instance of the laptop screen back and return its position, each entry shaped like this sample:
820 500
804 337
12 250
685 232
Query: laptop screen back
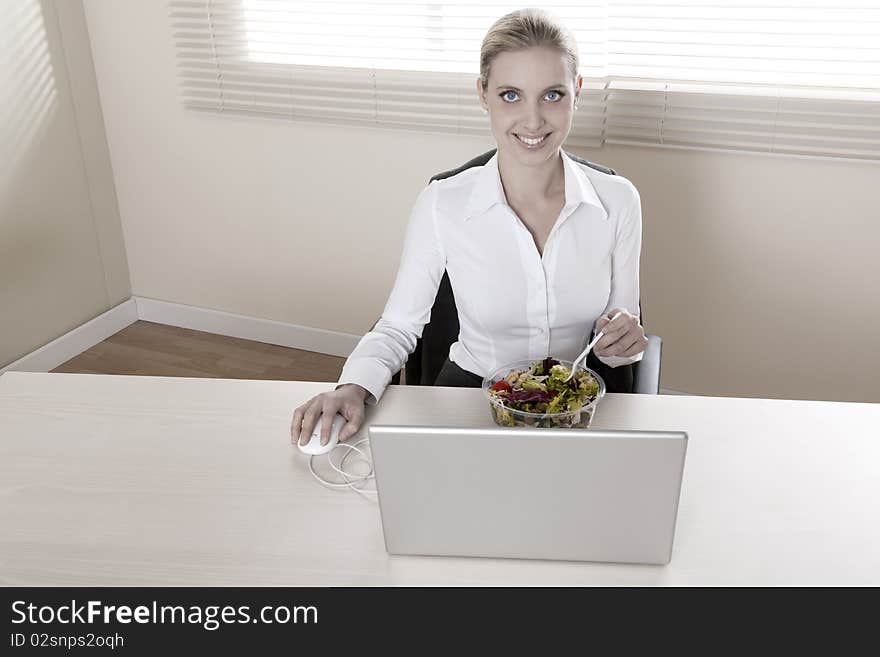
582 495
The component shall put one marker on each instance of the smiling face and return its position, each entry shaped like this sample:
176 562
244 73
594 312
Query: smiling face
530 98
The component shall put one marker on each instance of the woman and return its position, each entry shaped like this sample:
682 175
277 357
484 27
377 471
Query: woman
541 251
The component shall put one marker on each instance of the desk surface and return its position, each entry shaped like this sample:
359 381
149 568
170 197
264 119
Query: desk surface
121 480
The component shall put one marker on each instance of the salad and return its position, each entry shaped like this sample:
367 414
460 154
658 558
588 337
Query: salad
541 389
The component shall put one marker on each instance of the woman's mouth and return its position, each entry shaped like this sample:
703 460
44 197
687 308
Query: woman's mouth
531 143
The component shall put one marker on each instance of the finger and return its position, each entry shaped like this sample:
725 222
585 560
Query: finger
296 424
624 344
641 340
640 345
328 416
351 428
612 334
603 326
621 321
606 350
607 339
310 418
354 414
610 314
620 341
348 431
629 340
603 344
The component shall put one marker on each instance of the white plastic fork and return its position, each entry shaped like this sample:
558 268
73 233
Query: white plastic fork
580 359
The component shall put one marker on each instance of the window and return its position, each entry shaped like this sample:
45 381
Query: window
785 76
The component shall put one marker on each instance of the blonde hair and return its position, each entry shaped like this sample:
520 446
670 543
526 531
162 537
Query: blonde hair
526 28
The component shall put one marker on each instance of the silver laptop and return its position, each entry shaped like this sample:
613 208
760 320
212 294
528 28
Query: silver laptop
571 494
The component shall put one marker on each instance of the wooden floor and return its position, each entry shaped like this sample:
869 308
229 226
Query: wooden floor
147 348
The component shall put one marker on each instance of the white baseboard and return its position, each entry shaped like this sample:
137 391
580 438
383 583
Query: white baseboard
247 328
84 337
74 342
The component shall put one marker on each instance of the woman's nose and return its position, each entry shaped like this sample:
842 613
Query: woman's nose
533 118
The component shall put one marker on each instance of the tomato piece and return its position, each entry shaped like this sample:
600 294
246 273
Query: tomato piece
500 385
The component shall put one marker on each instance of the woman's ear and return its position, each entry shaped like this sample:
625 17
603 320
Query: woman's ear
483 104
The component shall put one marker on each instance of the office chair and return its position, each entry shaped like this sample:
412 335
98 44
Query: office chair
432 349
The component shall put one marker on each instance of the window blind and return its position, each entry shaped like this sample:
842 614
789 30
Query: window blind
787 76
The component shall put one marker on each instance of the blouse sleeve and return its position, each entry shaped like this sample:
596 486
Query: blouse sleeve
625 271
383 350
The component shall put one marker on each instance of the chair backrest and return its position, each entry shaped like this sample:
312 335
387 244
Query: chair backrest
442 329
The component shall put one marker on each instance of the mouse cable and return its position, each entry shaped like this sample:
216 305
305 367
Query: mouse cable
353 481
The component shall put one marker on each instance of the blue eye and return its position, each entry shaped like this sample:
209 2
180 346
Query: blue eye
559 95
504 96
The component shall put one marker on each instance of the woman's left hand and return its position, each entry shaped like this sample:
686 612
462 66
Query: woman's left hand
623 337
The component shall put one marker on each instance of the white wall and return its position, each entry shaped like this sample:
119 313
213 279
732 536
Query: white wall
62 258
756 269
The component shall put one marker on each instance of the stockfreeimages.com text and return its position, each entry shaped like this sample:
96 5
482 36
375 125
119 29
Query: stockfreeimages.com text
210 617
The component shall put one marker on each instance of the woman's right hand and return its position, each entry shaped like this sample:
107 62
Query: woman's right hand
348 401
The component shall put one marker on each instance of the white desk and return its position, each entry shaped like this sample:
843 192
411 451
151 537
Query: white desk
117 480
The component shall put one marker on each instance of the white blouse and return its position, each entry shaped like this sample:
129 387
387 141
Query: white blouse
513 303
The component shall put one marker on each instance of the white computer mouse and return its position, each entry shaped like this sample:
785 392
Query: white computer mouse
314 445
